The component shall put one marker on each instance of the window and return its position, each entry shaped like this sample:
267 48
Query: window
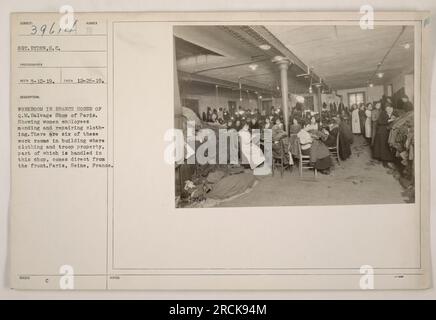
356 98
390 90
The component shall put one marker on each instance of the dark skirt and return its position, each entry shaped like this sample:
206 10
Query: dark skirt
345 141
381 149
324 163
277 150
320 164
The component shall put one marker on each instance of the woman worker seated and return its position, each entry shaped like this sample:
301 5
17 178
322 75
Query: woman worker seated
279 136
250 151
332 131
312 146
345 137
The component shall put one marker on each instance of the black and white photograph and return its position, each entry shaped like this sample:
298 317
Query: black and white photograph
294 115
237 152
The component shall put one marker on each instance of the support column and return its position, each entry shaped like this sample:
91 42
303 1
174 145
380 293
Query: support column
318 99
283 66
178 112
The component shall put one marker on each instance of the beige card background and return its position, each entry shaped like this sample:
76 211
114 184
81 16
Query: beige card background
230 238
148 233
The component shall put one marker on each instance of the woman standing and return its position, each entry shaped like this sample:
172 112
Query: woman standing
381 149
341 108
362 118
368 123
209 114
355 120
345 139
267 124
375 113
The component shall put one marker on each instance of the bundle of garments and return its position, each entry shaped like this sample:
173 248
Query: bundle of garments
401 137
217 182
401 140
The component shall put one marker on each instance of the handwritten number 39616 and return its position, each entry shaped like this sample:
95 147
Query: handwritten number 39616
50 29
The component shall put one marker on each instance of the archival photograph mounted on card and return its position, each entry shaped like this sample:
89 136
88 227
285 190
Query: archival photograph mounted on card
220 151
286 115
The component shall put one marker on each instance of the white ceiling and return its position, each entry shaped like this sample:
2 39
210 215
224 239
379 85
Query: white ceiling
344 56
347 56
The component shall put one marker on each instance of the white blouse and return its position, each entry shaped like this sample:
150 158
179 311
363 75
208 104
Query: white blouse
305 139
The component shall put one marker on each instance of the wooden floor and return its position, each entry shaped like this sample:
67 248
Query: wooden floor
359 180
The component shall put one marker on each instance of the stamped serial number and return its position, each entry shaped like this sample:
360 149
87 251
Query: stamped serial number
239 309
218 309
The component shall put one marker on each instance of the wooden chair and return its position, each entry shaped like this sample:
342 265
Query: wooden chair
279 162
304 162
334 151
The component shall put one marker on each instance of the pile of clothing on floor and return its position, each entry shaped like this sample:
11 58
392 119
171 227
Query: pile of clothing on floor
212 184
401 140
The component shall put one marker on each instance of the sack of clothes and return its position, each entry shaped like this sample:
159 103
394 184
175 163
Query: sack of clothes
231 186
217 183
401 137
401 140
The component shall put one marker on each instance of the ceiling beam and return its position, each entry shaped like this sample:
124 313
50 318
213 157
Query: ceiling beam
231 65
380 64
278 45
222 83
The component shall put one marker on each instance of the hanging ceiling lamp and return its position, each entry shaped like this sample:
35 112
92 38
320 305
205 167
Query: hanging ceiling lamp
310 86
265 46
